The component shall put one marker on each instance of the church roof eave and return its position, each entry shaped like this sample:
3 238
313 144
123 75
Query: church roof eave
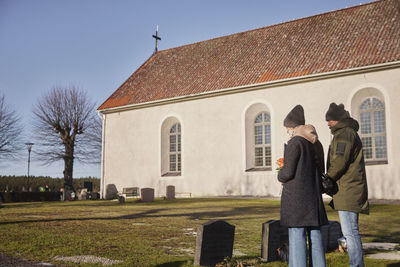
258 86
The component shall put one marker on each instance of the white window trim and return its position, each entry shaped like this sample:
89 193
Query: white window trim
373 160
264 146
177 153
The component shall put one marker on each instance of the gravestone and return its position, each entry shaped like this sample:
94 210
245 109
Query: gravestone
82 194
147 194
62 194
214 242
68 195
88 186
274 236
170 192
330 235
111 191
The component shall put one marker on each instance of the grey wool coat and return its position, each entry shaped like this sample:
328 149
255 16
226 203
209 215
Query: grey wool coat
301 200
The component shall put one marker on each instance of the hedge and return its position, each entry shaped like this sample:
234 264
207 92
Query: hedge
8 197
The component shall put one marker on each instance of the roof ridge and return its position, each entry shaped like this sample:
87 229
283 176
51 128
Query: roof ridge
315 44
273 25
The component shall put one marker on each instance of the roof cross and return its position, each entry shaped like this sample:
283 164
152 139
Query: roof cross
157 38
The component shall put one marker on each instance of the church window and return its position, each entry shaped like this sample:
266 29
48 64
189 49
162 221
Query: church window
373 129
175 148
262 140
258 138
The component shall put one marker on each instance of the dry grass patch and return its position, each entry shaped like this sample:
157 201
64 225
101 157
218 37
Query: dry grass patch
161 233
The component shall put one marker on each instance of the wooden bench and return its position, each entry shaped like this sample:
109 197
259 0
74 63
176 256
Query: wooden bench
183 194
130 192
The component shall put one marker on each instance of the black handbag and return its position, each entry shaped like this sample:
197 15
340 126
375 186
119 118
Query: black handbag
329 186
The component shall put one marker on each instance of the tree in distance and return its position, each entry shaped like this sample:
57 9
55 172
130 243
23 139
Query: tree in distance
10 131
67 128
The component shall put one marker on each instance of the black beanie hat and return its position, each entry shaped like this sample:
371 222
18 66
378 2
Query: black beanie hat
336 112
295 117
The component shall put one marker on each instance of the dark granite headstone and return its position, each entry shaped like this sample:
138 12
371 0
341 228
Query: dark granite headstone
170 192
274 236
147 194
214 242
111 191
88 186
330 234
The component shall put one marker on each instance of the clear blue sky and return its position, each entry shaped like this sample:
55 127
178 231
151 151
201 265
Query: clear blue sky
98 44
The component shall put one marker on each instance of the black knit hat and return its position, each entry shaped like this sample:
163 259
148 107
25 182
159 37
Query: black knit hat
336 112
295 117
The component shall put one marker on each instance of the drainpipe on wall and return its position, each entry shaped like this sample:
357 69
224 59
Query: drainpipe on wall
103 136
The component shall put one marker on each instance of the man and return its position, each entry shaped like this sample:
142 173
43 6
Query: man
346 166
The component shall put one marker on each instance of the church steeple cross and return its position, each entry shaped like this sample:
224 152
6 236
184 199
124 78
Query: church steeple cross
157 38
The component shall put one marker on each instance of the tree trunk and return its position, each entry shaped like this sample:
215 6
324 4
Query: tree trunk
68 166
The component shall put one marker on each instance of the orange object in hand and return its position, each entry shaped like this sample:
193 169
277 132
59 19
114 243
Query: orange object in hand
280 164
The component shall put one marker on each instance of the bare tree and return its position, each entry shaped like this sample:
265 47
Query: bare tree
10 131
67 129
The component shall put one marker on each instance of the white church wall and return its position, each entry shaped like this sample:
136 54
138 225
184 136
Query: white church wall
214 156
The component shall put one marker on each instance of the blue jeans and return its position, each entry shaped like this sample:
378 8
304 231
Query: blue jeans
349 224
298 247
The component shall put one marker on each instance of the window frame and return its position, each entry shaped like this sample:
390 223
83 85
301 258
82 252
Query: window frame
373 134
177 133
263 145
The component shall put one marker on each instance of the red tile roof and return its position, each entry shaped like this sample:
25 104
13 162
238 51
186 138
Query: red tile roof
349 38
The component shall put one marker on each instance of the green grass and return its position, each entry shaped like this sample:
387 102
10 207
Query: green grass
158 233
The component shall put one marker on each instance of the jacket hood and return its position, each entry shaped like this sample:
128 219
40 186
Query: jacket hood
348 122
308 132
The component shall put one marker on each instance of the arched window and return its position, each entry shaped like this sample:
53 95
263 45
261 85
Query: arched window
171 147
373 130
175 148
262 140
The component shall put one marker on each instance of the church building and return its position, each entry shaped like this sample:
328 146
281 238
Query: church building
207 117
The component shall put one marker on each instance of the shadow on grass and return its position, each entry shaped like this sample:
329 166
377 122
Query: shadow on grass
108 203
392 238
206 215
175 264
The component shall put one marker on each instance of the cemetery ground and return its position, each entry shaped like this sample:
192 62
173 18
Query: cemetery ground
159 233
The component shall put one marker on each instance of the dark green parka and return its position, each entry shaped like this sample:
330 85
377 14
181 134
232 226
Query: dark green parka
347 167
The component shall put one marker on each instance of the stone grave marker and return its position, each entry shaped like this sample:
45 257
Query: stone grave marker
214 242
170 192
147 194
82 194
274 236
88 186
330 234
111 191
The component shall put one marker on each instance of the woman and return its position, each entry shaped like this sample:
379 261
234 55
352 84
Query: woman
302 209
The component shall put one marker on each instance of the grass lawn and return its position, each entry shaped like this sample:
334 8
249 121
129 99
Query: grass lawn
161 233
